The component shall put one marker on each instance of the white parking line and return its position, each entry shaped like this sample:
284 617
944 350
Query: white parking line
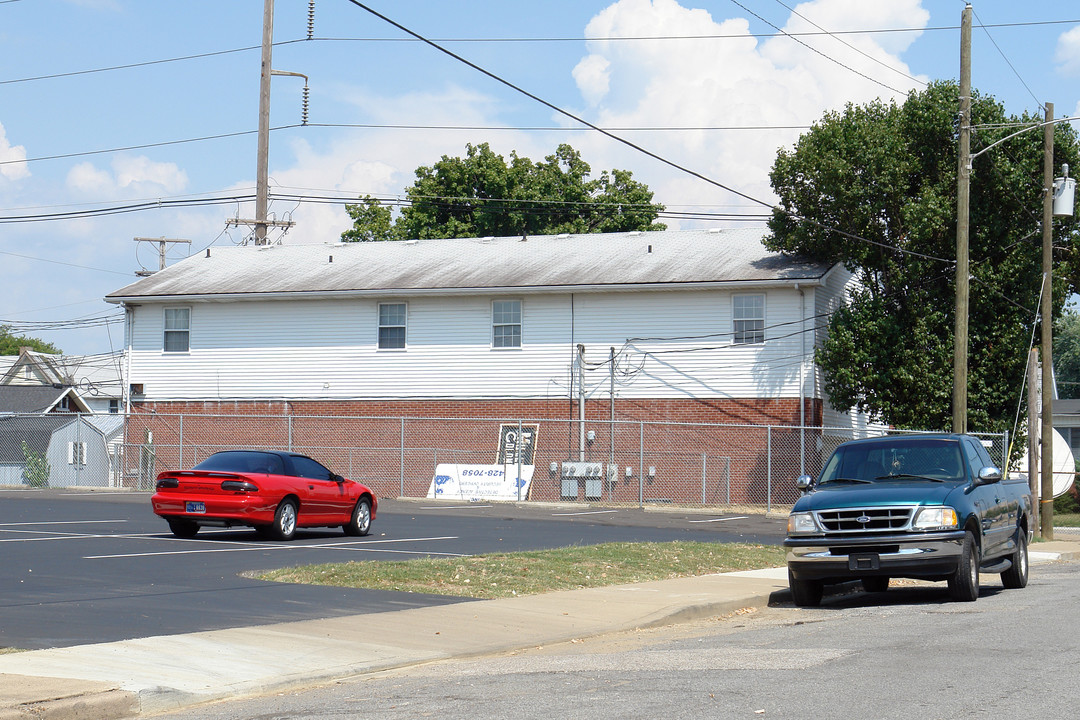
61 522
734 517
584 512
357 545
454 507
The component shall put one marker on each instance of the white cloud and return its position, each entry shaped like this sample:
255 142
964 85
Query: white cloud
733 81
12 159
591 75
1067 54
129 177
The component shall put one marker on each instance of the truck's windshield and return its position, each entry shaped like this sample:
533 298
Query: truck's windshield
894 458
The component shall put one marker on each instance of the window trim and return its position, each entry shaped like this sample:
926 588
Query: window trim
520 324
379 326
166 330
736 333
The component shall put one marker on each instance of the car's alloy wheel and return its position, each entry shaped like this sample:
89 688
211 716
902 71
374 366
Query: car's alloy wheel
360 524
285 520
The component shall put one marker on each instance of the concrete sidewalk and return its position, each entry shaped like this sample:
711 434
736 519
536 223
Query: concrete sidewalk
148 675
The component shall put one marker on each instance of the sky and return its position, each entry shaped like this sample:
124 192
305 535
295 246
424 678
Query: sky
122 119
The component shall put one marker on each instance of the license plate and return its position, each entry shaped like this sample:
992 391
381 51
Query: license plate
196 507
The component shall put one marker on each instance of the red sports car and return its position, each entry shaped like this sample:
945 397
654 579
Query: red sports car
271 491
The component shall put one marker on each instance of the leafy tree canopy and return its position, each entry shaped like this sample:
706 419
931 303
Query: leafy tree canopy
1067 353
886 173
10 343
483 195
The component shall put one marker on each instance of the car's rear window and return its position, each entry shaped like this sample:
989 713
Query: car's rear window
243 461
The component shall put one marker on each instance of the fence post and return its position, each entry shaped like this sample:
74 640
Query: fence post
703 456
401 464
180 460
641 465
517 451
78 456
289 424
728 465
768 469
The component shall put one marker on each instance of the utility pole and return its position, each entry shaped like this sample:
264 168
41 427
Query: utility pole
263 155
1047 323
963 198
162 243
262 183
1033 429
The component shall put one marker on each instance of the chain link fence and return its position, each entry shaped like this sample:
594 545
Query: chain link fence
595 461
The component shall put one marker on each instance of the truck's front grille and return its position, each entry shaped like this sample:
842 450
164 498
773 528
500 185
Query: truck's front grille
875 519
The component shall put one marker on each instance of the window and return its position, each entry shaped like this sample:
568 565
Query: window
177 329
114 406
76 454
506 323
392 325
305 467
748 316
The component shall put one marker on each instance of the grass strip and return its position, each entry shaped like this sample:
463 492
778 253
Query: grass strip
527 573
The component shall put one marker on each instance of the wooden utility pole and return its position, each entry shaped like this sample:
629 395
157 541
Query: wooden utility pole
963 197
263 155
1047 323
1033 427
162 242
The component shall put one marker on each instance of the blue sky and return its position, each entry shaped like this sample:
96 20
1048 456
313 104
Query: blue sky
589 57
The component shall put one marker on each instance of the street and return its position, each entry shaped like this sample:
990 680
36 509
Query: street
909 653
85 567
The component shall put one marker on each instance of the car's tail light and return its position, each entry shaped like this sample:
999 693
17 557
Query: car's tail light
167 483
239 486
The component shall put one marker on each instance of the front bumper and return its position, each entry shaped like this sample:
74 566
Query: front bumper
930 556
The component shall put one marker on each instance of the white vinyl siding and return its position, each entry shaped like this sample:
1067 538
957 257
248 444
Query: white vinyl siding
669 344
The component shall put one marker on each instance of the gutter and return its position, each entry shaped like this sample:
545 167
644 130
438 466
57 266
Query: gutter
500 290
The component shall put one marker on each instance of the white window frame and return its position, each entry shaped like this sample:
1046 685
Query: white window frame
379 326
740 334
496 325
165 329
76 453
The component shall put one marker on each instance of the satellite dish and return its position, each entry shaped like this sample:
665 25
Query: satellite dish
1064 465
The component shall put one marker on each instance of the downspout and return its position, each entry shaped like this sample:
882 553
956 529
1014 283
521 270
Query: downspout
125 383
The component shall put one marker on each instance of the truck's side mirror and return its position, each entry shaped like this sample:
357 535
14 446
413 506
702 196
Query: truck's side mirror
803 482
988 476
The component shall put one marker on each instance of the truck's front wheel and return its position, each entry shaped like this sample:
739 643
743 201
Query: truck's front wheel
964 584
805 593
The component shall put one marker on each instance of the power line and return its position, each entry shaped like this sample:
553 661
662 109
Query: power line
1007 61
847 44
815 50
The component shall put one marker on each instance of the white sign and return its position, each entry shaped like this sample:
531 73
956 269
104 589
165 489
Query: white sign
480 482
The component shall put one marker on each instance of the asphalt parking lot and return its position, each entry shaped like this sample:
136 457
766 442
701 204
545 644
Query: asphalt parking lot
85 567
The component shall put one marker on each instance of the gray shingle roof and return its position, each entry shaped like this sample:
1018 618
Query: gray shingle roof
609 260
32 398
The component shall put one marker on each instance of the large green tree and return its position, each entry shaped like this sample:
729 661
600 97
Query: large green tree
874 187
10 343
482 194
1067 353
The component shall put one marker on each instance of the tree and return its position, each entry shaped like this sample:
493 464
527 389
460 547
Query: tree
1067 354
482 195
874 187
10 343
36 471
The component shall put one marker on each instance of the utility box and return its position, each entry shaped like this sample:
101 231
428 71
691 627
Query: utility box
1064 190
591 473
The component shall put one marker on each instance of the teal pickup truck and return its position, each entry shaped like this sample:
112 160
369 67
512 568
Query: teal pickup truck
933 507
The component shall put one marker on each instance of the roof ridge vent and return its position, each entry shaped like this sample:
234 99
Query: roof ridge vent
715 231
562 236
412 242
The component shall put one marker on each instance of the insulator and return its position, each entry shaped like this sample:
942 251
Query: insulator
311 19
304 107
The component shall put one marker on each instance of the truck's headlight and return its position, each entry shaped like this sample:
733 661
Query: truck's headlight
801 524
935 518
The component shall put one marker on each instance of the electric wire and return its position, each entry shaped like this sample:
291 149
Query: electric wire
818 52
849 45
1006 59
